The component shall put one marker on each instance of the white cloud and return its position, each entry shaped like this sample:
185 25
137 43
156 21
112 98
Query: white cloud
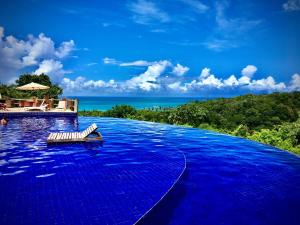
205 73
65 48
43 47
137 63
267 84
196 5
81 84
111 61
244 80
295 83
17 55
249 71
40 47
73 85
157 78
211 81
147 81
231 81
147 12
291 5
52 68
175 86
1 33
180 70
247 74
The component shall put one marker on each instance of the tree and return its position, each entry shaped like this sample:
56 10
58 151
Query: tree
121 111
53 92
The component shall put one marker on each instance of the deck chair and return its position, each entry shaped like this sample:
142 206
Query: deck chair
70 137
61 105
42 107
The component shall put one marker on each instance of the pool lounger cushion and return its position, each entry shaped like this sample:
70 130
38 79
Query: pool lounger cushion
75 136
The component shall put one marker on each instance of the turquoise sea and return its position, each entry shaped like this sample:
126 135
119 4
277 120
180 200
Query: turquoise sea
105 103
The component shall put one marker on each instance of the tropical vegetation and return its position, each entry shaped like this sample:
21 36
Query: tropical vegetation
272 119
10 90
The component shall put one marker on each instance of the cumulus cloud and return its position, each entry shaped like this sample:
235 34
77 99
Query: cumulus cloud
180 70
52 68
147 12
249 71
247 74
205 73
291 5
160 78
149 79
17 55
82 84
295 83
231 81
207 80
267 84
175 86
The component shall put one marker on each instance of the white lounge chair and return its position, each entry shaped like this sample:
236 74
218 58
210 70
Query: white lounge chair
61 105
82 136
42 107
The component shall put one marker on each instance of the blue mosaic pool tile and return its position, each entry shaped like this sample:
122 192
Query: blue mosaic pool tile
116 183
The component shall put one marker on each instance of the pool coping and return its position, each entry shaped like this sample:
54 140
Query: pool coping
37 113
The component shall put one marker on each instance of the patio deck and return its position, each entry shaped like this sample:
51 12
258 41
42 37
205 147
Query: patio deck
53 111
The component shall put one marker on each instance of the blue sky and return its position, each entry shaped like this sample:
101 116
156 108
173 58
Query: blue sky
154 48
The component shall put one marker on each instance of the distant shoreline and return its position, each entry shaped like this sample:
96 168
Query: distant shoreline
106 103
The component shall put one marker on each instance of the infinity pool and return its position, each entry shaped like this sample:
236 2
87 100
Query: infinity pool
143 172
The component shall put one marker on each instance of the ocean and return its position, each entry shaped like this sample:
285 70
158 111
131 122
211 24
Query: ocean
105 103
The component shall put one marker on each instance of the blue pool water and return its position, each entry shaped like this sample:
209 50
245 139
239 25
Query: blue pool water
227 180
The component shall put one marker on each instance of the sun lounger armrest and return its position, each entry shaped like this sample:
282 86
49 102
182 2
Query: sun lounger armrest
89 130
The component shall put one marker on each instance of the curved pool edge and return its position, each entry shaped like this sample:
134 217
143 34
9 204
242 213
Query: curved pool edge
166 193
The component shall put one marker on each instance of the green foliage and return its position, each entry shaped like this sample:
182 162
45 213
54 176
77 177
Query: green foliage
120 111
10 91
40 79
192 114
91 113
285 136
241 130
270 119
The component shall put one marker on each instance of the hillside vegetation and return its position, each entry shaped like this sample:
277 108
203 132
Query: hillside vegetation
271 119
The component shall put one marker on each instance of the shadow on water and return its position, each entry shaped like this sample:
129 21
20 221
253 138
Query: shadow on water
163 212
